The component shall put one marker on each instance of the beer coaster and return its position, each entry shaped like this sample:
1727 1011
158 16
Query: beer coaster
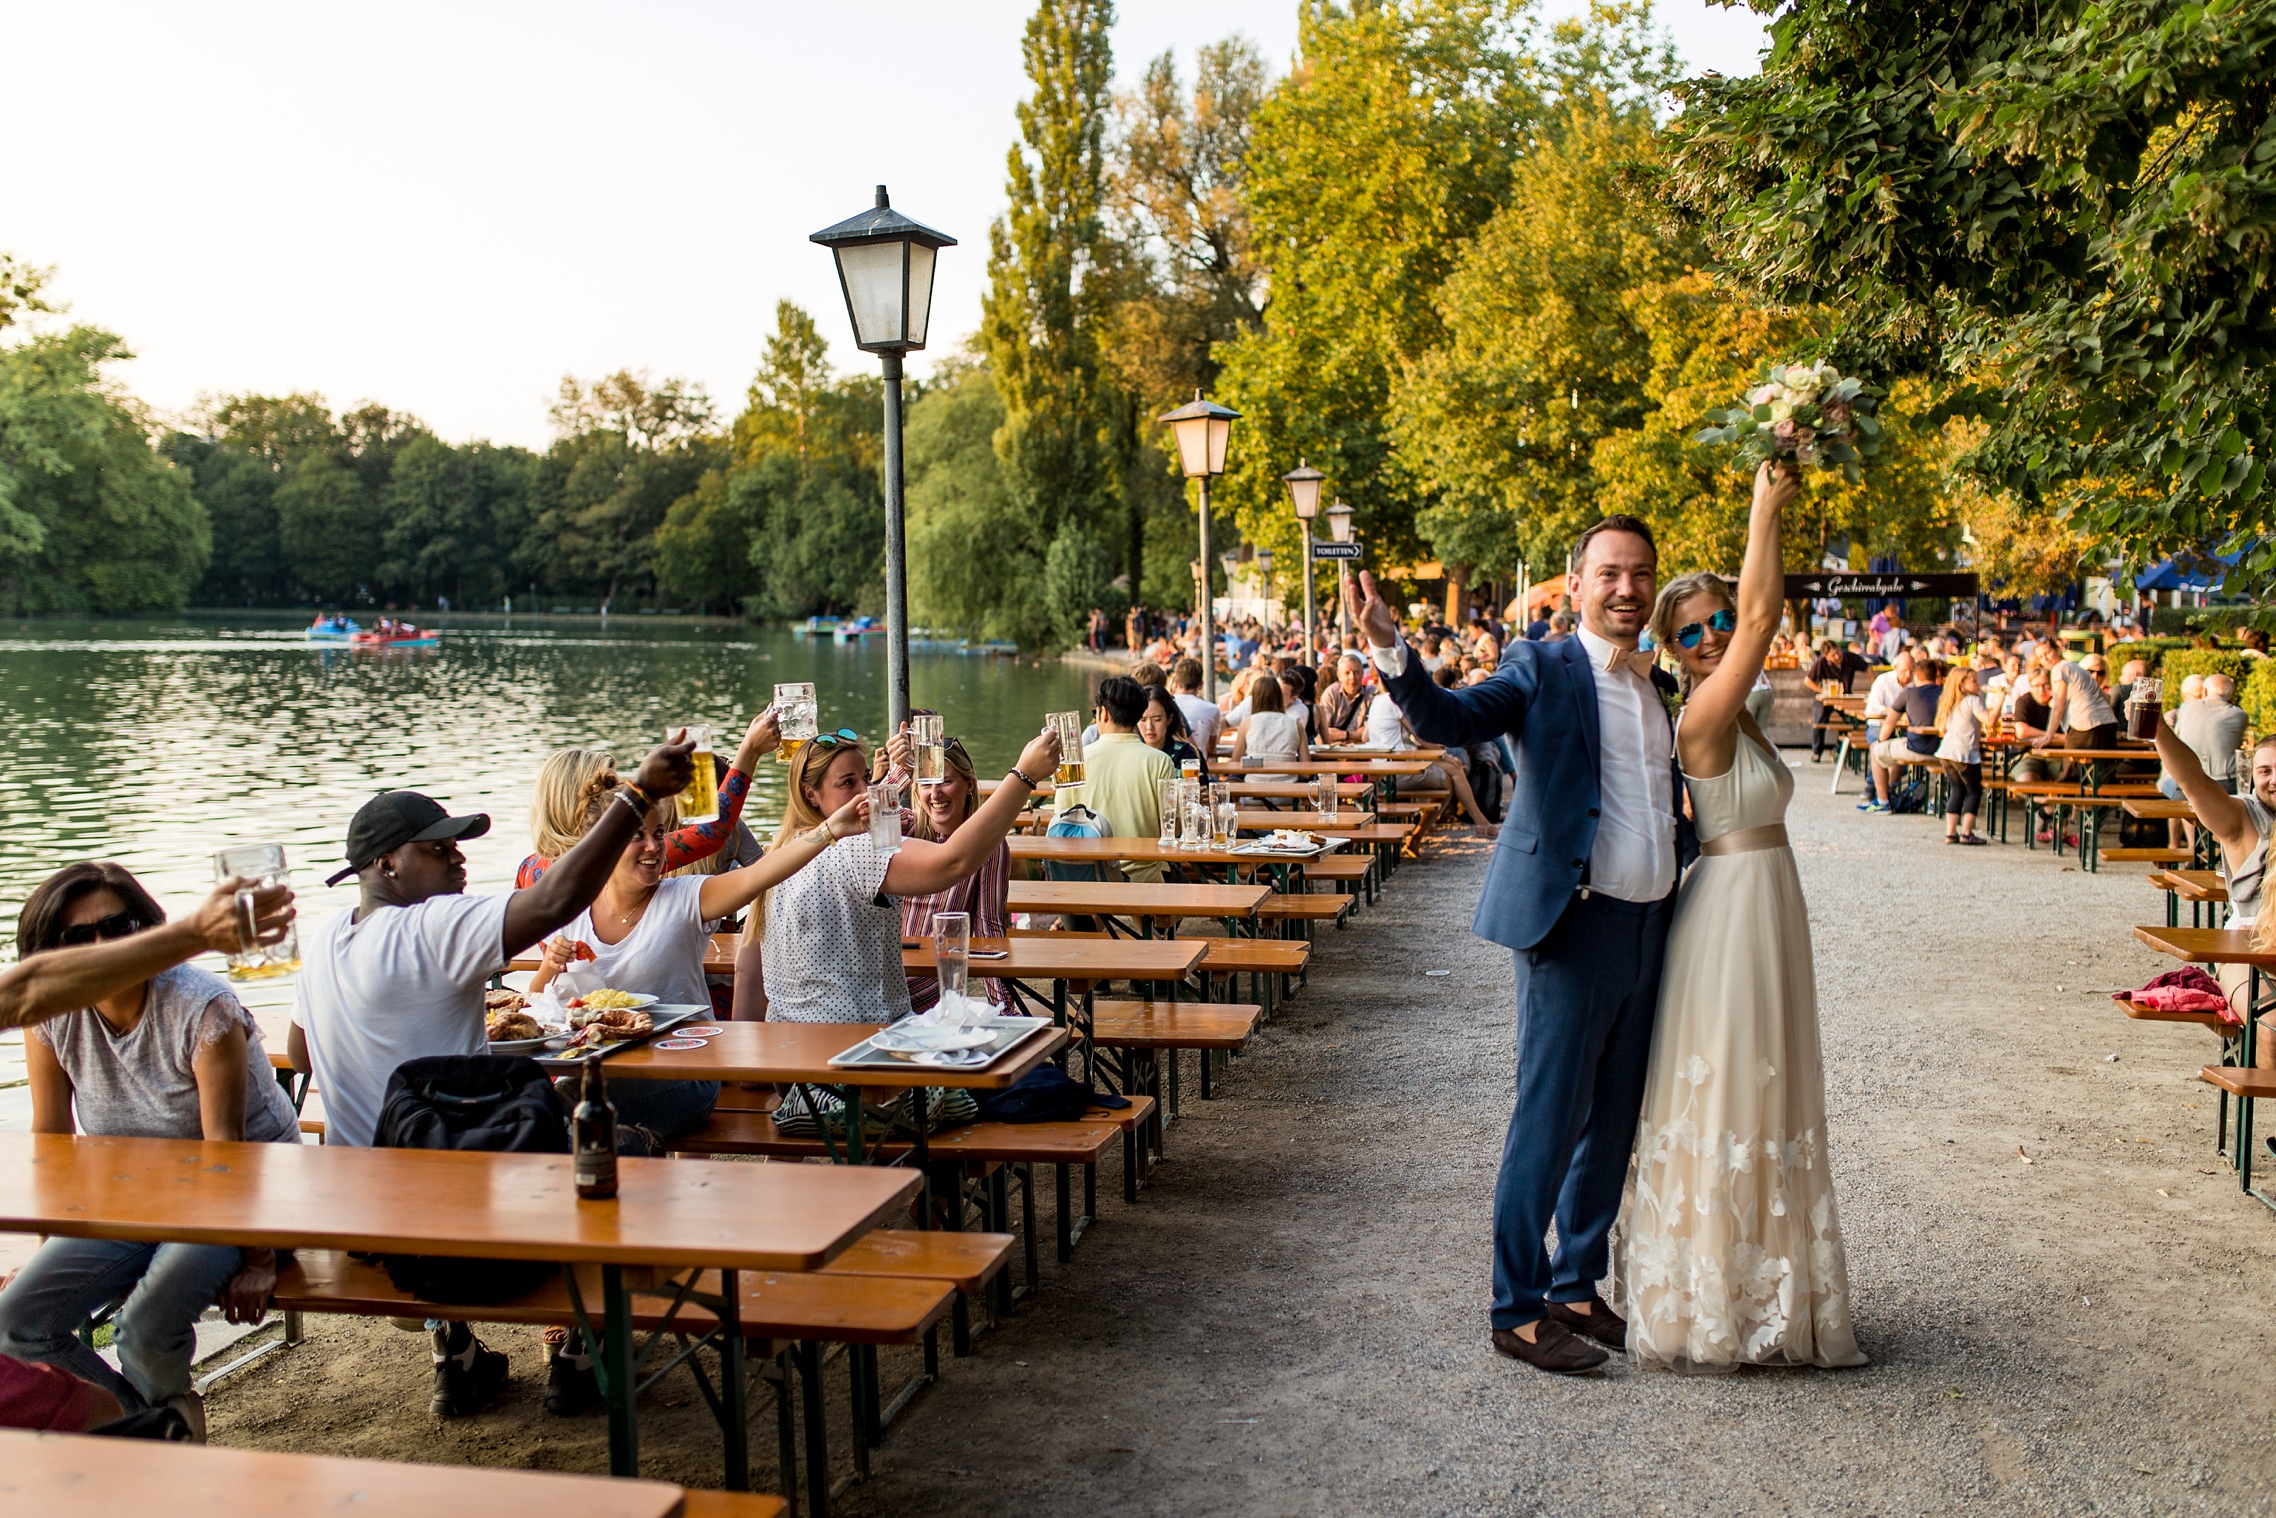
677 1044
697 1032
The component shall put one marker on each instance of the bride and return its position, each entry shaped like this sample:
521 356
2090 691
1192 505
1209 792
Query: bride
1731 1250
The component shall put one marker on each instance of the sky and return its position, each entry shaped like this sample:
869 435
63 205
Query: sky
447 207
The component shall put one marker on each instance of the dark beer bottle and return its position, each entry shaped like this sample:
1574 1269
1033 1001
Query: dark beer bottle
592 1134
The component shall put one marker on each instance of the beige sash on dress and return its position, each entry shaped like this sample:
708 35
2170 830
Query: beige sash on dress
1747 840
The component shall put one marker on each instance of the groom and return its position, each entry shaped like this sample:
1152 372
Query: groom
1581 887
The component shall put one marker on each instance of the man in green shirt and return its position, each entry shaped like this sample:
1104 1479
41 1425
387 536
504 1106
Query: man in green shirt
1122 772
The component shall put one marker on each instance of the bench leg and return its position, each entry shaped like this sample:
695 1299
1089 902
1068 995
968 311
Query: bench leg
1032 1247
785 1428
1066 1221
617 1373
817 1430
735 1414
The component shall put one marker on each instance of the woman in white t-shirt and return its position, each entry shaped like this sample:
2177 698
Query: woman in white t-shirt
824 946
1961 714
1387 729
1268 733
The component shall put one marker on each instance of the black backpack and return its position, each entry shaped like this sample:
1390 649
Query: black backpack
470 1101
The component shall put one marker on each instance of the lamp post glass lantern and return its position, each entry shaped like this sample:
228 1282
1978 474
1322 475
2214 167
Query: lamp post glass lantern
885 270
1339 528
1203 431
1304 484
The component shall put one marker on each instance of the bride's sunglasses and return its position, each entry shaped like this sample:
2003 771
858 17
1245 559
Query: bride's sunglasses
1689 634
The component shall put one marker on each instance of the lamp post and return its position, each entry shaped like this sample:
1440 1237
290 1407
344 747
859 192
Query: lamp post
1264 577
1339 527
1304 484
1203 429
885 269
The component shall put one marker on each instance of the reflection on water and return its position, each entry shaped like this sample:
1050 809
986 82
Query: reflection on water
157 742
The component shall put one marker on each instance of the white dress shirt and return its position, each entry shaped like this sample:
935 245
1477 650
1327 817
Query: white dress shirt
1634 855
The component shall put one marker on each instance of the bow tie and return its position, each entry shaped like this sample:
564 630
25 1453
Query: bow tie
1638 663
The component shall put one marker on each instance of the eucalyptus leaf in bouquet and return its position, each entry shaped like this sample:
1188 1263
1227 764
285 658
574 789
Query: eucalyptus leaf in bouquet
1809 413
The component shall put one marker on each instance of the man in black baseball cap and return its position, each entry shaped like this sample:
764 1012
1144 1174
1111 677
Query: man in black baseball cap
402 976
392 819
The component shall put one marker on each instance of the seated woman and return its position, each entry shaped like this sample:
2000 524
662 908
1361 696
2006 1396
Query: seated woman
647 934
1164 727
983 895
1387 729
556 811
1268 732
828 940
174 1056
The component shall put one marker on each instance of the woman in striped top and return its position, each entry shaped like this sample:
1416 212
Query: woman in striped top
557 811
941 809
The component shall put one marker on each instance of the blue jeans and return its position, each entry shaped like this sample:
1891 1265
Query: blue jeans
1586 997
665 1109
167 1288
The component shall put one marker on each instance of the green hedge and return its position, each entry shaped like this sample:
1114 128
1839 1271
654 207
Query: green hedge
2183 662
2223 620
2258 697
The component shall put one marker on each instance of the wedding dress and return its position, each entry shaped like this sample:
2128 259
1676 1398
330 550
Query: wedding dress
1730 1250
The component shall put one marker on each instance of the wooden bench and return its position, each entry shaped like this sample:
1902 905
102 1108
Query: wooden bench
1266 961
2212 1020
705 1504
2200 888
1343 869
1147 1026
1308 907
2161 857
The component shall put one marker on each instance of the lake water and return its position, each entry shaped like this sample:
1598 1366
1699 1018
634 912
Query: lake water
156 742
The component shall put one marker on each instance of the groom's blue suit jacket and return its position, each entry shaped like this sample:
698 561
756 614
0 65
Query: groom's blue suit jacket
1544 697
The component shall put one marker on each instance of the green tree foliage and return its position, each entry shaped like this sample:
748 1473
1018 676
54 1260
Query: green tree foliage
2067 204
1048 259
1545 349
627 448
331 530
454 517
239 494
91 518
1077 577
703 550
975 564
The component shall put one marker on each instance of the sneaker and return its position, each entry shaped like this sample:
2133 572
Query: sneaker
191 1406
570 1385
1978 840
467 1372
1872 804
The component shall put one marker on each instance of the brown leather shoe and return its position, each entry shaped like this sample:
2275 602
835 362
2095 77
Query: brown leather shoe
1554 1348
1599 1322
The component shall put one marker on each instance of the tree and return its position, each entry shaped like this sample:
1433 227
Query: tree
792 385
1076 577
647 414
975 563
277 429
1041 315
453 519
238 492
20 286
703 550
330 530
628 448
2067 205
1545 351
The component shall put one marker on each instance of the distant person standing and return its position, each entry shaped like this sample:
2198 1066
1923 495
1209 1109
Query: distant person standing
1201 716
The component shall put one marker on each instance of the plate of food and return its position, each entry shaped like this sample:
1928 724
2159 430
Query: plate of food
511 1027
1284 841
605 1000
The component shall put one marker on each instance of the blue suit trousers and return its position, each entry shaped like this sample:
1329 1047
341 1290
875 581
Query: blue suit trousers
1586 997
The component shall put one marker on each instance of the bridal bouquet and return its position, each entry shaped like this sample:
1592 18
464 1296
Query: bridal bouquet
1809 413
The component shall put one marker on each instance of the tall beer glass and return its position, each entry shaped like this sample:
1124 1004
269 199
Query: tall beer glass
952 956
885 818
264 865
794 703
1328 798
700 801
1170 796
928 733
1069 727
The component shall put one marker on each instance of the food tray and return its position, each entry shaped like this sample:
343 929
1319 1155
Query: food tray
1260 849
662 1018
1009 1031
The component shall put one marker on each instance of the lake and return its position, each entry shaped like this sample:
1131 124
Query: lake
155 742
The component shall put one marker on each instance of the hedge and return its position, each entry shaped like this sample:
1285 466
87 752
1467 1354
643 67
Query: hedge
2258 697
2184 662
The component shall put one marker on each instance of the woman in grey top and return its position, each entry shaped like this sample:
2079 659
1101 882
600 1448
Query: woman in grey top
175 1056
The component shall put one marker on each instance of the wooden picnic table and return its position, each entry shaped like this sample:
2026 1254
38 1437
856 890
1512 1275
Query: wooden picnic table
668 1217
775 1053
134 1478
1142 900
1142 850
1261 819
2228 946
1040 958
2159 808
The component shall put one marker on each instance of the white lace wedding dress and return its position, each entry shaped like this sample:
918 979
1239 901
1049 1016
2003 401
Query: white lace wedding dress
1729 1245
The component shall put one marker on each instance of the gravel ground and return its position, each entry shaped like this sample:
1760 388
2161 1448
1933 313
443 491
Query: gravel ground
1293 1317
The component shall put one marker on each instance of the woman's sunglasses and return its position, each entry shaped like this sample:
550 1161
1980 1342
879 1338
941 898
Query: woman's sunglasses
117 925
1689 634
843 735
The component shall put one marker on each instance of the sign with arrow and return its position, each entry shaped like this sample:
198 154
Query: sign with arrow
1827 584
1335 551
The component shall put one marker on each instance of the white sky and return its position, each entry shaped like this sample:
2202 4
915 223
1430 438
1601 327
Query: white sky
445 208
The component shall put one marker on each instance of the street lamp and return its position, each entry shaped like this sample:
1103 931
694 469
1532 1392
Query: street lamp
1304 484
885 269
1264 573
1339 528
1203 429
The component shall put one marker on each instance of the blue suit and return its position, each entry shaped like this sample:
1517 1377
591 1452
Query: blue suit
1588 968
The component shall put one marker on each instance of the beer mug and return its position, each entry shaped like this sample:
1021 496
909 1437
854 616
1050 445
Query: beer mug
1170 794
952 957
794 703
929 736
700 801
264 865
1193 815
2145 708
1069 727
885 818
1326 786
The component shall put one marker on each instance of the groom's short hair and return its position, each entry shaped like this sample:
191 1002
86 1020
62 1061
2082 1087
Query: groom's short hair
1617 522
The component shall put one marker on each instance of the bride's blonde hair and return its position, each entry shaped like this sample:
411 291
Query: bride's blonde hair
1702 582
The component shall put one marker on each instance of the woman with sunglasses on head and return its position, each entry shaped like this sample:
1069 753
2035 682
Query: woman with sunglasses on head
175 1055
1731 1250
827 942
984 896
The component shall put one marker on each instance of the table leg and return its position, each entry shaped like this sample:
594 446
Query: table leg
817 1430
617 1373
731 1389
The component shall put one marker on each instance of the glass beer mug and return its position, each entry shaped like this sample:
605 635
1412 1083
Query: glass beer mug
700 801
928 735
1069 727
1170 796
952 957
263 864
794 703
885 818
1326 786
2145 708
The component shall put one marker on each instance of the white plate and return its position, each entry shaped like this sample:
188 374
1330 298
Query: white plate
932 1039
951 1059
640 1001
529 1045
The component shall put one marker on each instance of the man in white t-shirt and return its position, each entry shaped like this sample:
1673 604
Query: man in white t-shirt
1200 715
402 976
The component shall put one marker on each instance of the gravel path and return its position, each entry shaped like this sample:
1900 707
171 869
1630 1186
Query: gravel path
1292 1319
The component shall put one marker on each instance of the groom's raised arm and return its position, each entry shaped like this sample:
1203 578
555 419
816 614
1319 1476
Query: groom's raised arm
1460 716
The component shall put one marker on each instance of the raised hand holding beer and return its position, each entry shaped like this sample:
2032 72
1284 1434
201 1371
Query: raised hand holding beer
669 766
759 739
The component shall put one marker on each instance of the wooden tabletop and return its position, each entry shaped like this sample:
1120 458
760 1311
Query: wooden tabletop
1143 850
2158 807
1044 957
134 1478
1381 769
2210 946
785 1052
1131 898
1377 751
1264 819
1241 790
439 1201
2191 885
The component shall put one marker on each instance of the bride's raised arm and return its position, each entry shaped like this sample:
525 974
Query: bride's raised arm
1711 713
